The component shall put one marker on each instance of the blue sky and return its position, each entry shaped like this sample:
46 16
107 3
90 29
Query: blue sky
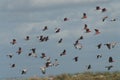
22 18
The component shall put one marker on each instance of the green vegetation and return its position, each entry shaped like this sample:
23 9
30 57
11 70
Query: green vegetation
90 76
82 76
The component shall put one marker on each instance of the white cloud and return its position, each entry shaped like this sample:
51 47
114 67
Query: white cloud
36 4
57 2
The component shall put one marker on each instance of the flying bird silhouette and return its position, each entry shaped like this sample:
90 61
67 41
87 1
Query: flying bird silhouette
110 59
10 55
109 67
99 45
88 67
104 9
13 65
48 63
34 55
65 19
60 41
33 50
113 19
46 38
85 27
27 38
24 71
57 30
99 56
13 41
84 16
43 70
19 50
97 31
78 46
98 8
63 53
104 18
43 55
75 58
88 30
40 38
29 54
81 38
113 44
45 28
108 45
56 63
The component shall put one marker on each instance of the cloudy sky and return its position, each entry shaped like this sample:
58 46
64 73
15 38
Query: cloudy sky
22 18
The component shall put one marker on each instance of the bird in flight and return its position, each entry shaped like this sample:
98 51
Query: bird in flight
81 38
63 53
29 54
108 45
113 19
104 9
19 50
10 55
109 67
60 41
88 30
43 70
99 45
24 71
88 67
78 46
110 59
113 44
43 55
33 50
75 58
104 18
27 38
97 31
98 8
84 16
56 63
65 19
57 30
13 41
85 26
45 28
99 56
13 65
